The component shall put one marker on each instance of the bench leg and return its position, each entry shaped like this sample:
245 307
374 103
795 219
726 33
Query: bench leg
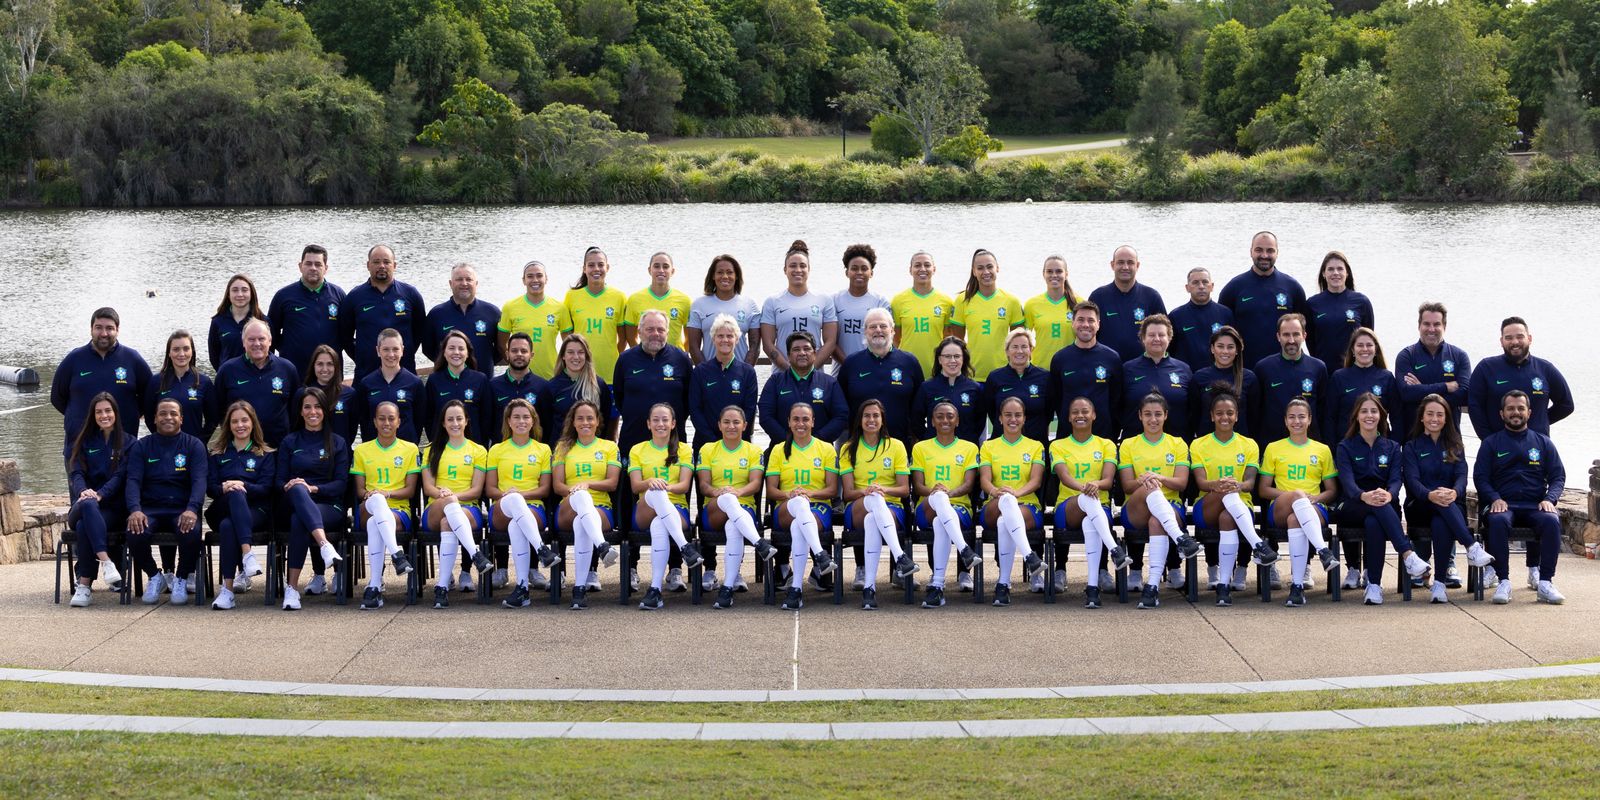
1122 584
1264 582
977 569
1048 553
838 570
1191 578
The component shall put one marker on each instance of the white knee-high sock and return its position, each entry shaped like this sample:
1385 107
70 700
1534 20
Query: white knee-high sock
375 558
1094 521
1227 554
878 512
1245 519
1298 551
448 547
524 531
461 525
1155 558
1310 523
658 502
945 520
732 555
1005 546
586 530
658 550
380 520
805 524
1011 523
1161 509
739 519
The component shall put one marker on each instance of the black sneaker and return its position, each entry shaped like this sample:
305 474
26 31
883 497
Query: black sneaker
1032 565
1091 597
441 597
904 567
824 565
691 556
579 601
933 598
1119 558
652 600
607 554
1224 594
1002 594
402 565
792 601
724 597
869 599
1330 562
784 573
1297 595
765 550
967 557
518 599
1263 554
372 598
1150 596
1187 547
482 563
548 557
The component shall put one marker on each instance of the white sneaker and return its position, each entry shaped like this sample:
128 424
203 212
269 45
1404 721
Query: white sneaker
1374 595
329 554
1549 594
1240 573
465 584
1106 578
180 591
537 580
964 582
241 583
498 578
741 586
1275 581
1416 567
224 599
291 598
708 581
249 566
1060 581
1478 557
167 587
153 588
674 581
109 575
1502 593
1211 577
860 581
633 580
1491 579
594 582
1437 593
80 596
317 585
1533 577
1352 580
1176 579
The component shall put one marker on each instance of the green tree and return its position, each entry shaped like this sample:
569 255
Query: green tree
648 87
1564 132
441 51
1543 34
161 58
477 121
1154 121
781 44
567 141
1270 70
1107 32
368 33
889 13
697 43
27 41
1221 101
967 148
1347 108
1033 80
1449 108
936 95
892 137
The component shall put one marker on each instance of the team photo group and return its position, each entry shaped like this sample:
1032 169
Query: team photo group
564 428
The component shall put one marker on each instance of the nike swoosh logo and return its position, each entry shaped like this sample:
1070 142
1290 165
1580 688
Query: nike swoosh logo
1138 378
368 308
226 334
81 374
1347 391
1361 458
1500 455
1320 316
225 461
637 371
299 308
373 394
1276 385
1423 455
863 374
1111 313
447 327
711 384
241 383
152 460
1187 328
1497 383
92 452
1008 388
1247 299
1068 372
444 394
783 391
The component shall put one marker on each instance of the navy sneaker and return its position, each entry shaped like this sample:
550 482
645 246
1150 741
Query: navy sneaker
518 599
1224 594
724 597
765 550
548 557
869 599
402 565
372 598
1150 596
652 600
1091 597
1297 595
792 601
933 598
1330 562
904 567
1002 594
691 556
1187 547
579 599
967 557
1032 565
441 597
1119 558
1263 554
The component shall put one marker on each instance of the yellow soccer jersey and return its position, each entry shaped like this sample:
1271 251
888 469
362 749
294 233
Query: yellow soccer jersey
1298 466
942 465
1087 459
597 317
675 305
456 465
805 467
651 462
987 320
385 468
731 467
1162 457
920 320
544 324
1051 323
876 467
1011 463
1227 459
518 469
586 463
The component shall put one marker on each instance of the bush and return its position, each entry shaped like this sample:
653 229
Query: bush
874 157
892 137
967 147
753 126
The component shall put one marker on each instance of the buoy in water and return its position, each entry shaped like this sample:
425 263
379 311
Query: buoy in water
19 376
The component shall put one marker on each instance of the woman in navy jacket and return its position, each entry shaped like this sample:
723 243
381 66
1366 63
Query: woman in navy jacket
1369 481
239 482
1435 470
95 472
313 466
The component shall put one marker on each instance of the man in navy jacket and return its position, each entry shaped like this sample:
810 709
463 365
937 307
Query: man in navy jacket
1259 296
1549 398
102 365
1124 303
379 304
1431 366
884 373
648 373
802 382
1286 375
267 382
166 487
305 313
478 319
1519 477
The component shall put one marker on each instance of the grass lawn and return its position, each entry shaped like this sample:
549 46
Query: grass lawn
1535 759
53 698
828 146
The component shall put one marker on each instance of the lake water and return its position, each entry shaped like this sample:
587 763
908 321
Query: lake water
1484 262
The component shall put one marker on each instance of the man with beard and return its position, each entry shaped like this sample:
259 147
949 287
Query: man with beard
885 373
1519 478
379 304
1549 399
1260 296
517 381
1289 374
102 365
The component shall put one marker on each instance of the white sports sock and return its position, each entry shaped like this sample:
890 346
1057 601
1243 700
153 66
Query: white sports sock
739 519
1235 506
805 524
658 502
1005 547
878 512
732 555
1310 523
945 518
380 521
941 552
1094 520
1155 559
448 547
521 557
586 531
461 526
1298 552
1011 522
375 557
1161 509
658 550
1227 554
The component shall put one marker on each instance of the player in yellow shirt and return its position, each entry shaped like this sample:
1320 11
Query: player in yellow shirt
1049 315
659 295
597 312
802 480
1086 466
542 318
1225 463
944 470
730 476
586 469
519 482
456 471
984 313
921 314
660 471
386 473
1010 472
1154 468
1298 480
876 475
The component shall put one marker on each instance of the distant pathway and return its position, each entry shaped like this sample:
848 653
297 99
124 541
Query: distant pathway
1060 148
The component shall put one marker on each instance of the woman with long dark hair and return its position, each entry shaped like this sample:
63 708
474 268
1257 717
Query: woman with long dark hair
587 469
660 472
313 469
239 305
239 481
452 481
95 474
876 473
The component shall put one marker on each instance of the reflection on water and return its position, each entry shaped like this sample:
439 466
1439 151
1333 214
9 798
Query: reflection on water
1484 262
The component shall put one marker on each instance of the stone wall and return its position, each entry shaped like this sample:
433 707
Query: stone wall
30 525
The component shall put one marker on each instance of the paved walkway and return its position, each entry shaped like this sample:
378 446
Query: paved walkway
1102 144
823 647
